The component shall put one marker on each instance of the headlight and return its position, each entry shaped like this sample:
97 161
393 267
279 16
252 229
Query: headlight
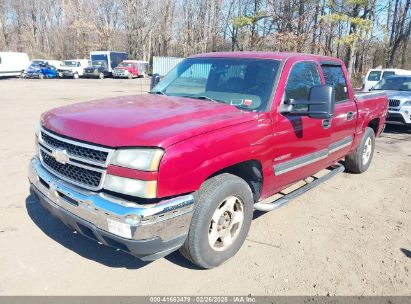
140 159
407 103
128 186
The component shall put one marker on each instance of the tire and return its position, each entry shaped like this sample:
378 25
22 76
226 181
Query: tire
359 161
76 76
41 76
213 199
101 75
130 76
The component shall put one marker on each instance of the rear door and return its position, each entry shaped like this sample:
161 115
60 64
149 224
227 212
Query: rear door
344 119
300 142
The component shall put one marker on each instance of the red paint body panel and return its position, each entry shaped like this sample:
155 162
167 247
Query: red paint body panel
201 138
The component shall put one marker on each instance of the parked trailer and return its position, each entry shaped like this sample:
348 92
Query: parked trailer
163 65
13 63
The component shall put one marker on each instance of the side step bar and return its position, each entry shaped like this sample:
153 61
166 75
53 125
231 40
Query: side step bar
268 206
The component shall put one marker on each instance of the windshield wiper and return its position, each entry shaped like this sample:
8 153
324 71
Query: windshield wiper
157 92
203 97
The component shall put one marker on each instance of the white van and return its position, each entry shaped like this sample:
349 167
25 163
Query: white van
375 75
13 63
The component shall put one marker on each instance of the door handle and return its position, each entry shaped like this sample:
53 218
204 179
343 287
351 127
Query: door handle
350 115
326 123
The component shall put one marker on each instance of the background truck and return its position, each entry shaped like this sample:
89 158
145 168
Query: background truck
13 64
73 68
219 137
109 60
131 69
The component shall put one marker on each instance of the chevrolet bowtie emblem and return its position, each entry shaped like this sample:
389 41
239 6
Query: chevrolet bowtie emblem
60 156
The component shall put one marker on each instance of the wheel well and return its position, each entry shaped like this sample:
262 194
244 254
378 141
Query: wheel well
250 171
374 124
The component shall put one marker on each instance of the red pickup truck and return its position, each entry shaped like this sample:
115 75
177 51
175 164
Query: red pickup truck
219 137
130 69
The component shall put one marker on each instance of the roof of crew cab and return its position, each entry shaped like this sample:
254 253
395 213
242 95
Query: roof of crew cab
282 56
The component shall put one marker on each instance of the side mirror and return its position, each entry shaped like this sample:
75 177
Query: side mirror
320 103
155 78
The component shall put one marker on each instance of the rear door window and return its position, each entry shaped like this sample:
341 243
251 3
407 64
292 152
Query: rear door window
334 76
374 76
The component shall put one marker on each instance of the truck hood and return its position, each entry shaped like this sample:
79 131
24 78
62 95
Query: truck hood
64 68
148 120
398 94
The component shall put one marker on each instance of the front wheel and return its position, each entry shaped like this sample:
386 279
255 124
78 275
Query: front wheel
76 76
221 221
101 75
359 160
41 76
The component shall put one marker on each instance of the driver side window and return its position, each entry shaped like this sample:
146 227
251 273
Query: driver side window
303 76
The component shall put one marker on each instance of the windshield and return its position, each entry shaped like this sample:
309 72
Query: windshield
394 83
123 64
244 83
388 74
98 63
374 76
69 63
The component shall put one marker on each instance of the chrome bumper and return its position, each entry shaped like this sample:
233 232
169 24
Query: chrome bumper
165 220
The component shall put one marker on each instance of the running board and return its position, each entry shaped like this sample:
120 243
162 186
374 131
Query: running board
266 205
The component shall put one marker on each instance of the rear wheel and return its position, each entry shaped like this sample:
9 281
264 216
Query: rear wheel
220 222
130 76
360 160
76 76
101 75
41 76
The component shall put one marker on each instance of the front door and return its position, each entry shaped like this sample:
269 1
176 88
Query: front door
300 142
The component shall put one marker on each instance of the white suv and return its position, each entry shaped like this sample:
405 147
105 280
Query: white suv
398 89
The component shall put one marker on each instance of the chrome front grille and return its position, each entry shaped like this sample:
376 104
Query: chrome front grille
75 150
83 164
394 102
75 174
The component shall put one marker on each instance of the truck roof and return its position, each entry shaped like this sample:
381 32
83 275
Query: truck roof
265 55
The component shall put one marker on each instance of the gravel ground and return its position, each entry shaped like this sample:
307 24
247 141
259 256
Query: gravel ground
350 236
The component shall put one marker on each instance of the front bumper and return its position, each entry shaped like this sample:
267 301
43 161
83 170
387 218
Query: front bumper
94 74
67 73
399 116
121 74
160 228
32 75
